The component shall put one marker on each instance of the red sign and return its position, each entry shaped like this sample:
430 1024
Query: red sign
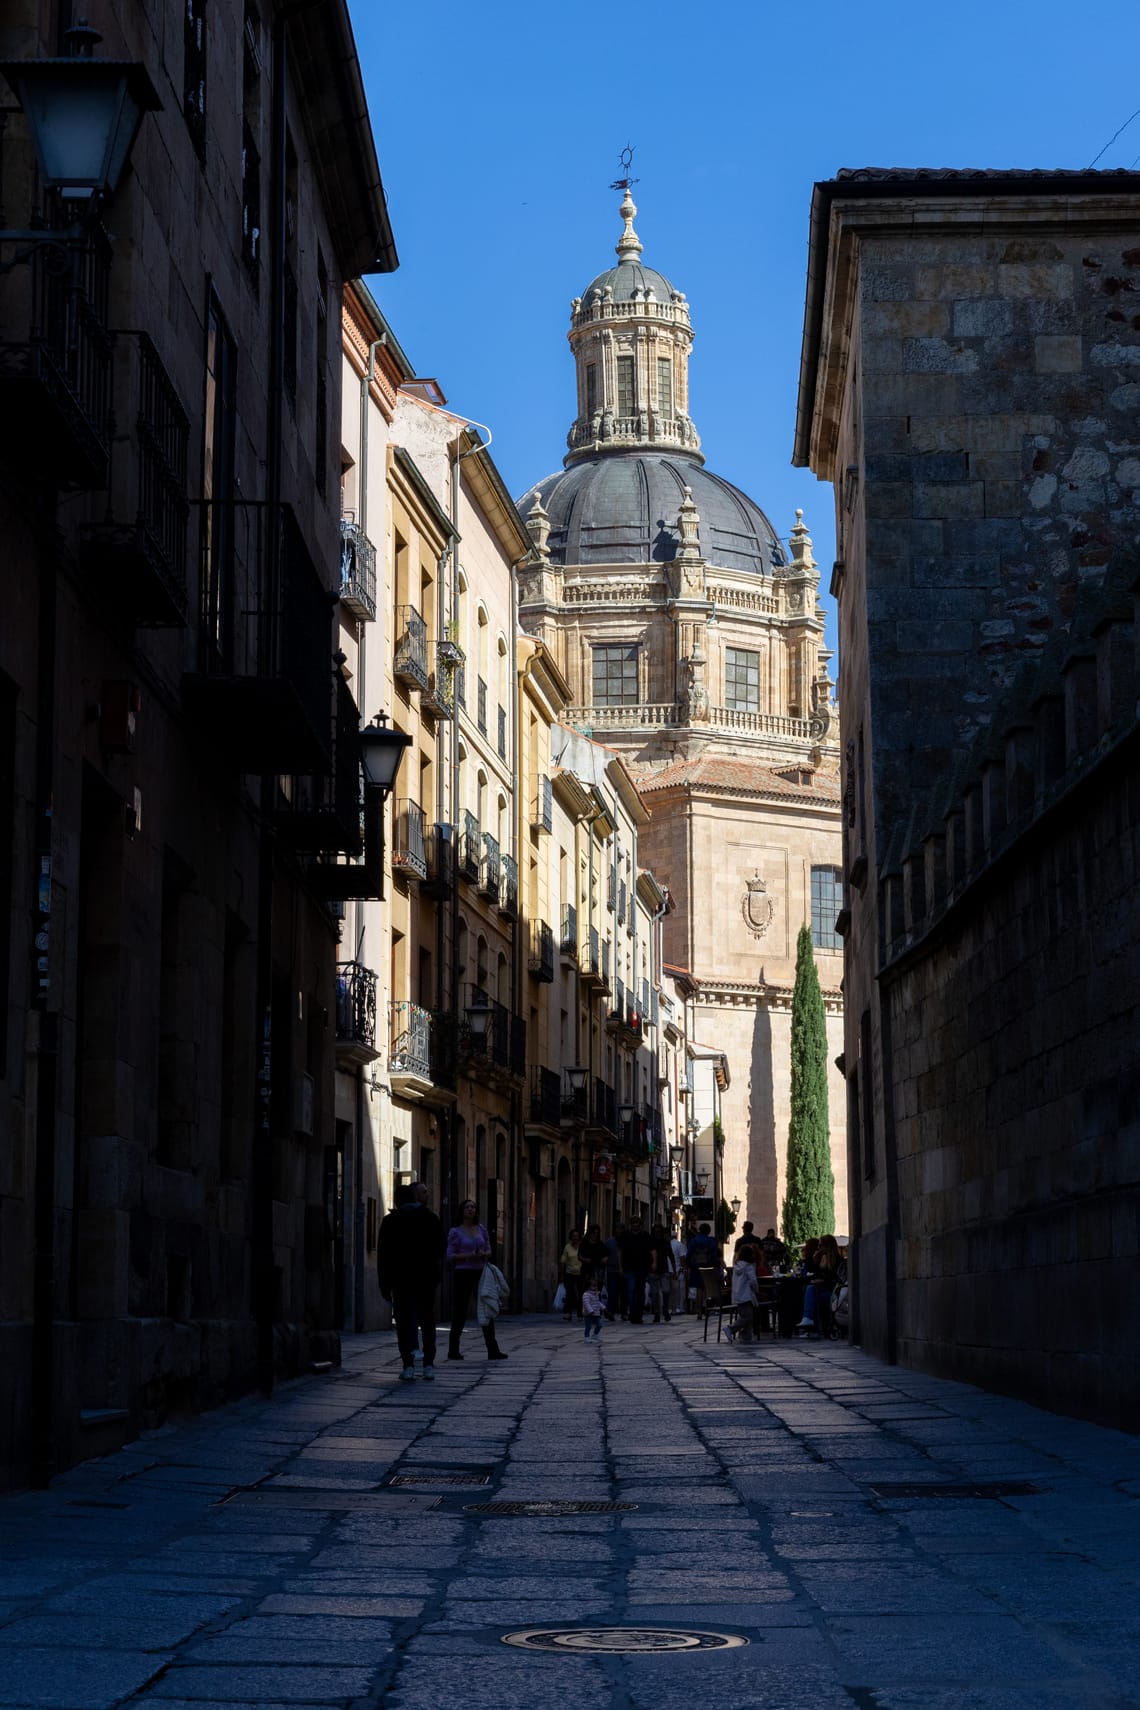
604 1170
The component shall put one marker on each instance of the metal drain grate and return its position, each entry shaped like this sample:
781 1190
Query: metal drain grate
439 1478
550 1508
645 1641
994 1489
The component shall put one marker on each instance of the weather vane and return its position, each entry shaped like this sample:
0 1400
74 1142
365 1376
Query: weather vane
625 161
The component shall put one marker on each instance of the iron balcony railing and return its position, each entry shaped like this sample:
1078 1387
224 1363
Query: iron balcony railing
410 665
439 855
594 954
568 938
439 696
501 1041
357 570
502 733
409 1030
611 889
57 377
575 1102
509 889
606 961
651 1127
139 548
604 1113
542 950
322 813
408 853
542 813
355 1004
461 686
470 848
490 872
621 903
263 692
481 706
545 1096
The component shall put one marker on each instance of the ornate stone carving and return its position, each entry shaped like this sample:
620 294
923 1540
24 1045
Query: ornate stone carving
756 905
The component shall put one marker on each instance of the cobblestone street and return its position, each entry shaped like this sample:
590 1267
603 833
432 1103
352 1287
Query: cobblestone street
258 1555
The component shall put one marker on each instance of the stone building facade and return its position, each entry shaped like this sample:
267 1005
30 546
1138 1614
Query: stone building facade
692 641
968 386
169 735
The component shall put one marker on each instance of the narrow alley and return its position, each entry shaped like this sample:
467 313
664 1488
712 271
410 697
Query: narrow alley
877 1539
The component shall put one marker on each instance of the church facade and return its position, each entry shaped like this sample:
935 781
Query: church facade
692 640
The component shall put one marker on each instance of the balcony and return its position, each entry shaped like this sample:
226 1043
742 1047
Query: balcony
631 1136
409 1052
603 1110
55 379
502 733
575 1105
509 889
546 1097
439 855
498 1048
621 903
624 1020
138 551
481 715
595 963
470 849
490 870
410 665
355 1014
321 813
541 961
542 810
357 571
439 696
262 697
611 890
409 857
568 937
461 686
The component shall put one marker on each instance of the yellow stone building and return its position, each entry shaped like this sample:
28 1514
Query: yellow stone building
692 642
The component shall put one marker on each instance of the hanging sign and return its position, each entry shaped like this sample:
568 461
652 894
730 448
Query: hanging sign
603 1170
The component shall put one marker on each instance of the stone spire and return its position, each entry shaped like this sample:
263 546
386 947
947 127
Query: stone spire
629 245
538 527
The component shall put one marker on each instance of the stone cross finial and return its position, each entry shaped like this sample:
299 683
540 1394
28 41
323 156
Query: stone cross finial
629 245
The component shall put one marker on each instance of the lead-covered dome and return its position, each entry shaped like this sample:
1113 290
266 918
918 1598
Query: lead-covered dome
622 508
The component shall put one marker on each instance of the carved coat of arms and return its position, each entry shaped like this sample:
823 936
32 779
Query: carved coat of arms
757 906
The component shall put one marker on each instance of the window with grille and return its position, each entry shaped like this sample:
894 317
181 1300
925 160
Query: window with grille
826 902
741 679
625 392
664 385
615 676
591 388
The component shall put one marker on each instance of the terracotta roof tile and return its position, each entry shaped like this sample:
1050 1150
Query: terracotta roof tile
738 777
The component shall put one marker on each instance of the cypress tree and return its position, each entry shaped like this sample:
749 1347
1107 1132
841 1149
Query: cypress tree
809 1204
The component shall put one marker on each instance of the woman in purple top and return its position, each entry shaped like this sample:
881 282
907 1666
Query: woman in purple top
468 1250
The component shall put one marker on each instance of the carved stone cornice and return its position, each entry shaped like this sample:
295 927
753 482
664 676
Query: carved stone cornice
732 994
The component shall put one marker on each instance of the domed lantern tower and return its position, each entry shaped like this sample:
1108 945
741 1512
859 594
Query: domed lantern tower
692 640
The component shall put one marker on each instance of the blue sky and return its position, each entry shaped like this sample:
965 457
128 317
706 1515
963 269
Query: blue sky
499 129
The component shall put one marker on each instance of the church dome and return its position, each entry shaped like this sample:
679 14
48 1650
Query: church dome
622 507
628 282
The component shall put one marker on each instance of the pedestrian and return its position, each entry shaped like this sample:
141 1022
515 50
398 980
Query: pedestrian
636 1246
592 1252
592 1307
614 1302
745 1292
571 1262
409 1252
703 1254
661 1272
746 1239
680 1275
775 1253
468 1251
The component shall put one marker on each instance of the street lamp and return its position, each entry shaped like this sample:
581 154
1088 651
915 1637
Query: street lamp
677 1154
577 1078
478 1019
702 1179
83 114
735 1204
381 750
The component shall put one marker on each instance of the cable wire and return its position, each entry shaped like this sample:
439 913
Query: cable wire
1112 139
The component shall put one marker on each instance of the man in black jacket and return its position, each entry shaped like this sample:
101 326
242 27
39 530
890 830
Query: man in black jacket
409 1260
636 1260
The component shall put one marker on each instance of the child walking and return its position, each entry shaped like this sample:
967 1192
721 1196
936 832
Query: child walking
592 1307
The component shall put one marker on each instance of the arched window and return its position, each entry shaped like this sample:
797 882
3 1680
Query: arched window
503 825
482 804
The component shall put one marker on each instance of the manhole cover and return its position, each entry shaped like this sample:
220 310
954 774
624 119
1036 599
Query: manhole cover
992 1488
439 1478
550 1508
641 1639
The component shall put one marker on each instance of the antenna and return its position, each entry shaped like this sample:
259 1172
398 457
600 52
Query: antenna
625 161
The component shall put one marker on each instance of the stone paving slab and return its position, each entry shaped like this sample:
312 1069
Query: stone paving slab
131 1582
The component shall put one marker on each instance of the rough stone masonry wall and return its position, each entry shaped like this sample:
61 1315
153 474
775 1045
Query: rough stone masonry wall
1014 1006
1000 390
